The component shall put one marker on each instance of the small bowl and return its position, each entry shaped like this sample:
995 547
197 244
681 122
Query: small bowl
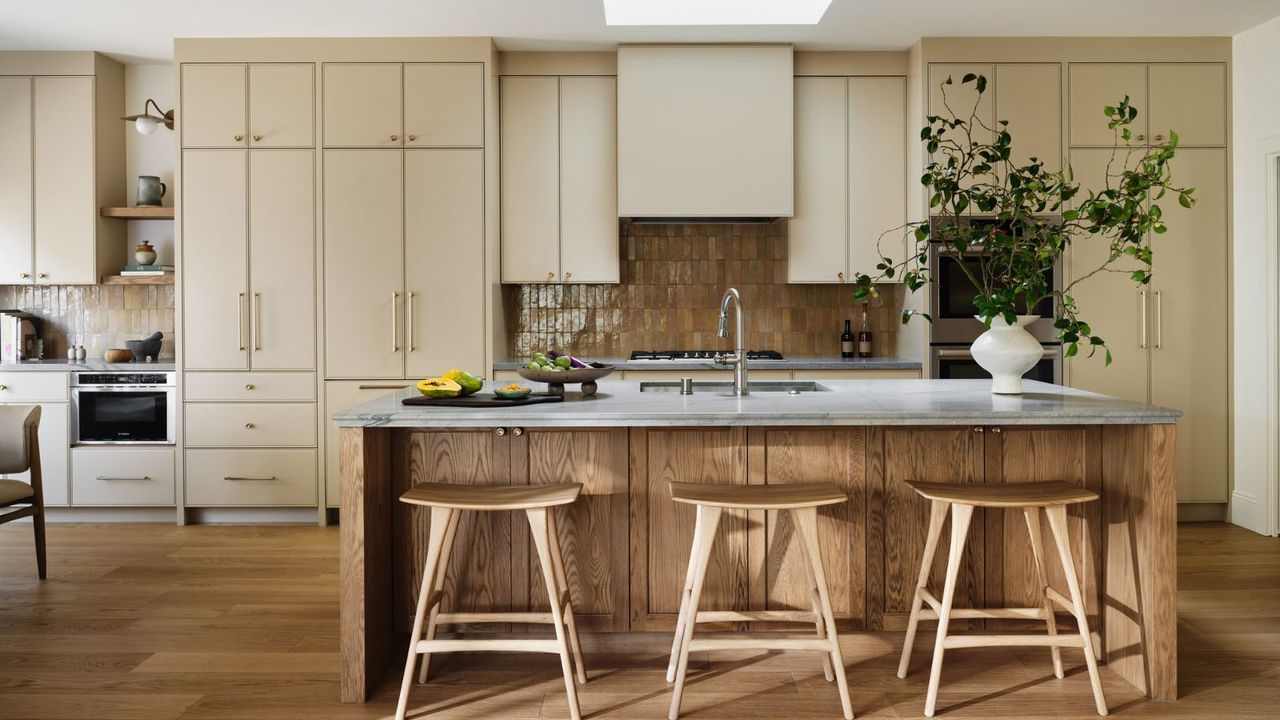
118 355
512 394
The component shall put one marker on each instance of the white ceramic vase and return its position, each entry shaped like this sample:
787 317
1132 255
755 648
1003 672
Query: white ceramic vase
1007 351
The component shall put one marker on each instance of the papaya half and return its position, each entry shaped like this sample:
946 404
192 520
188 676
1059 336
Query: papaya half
439 388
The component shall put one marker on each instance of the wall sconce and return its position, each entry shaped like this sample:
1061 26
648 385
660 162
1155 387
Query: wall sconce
146 123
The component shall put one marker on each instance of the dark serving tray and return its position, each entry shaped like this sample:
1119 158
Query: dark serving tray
483 401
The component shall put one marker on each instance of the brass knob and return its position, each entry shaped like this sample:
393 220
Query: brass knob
237 138
1159 138
517 431
24 276
3 388
840 276
551 276
395 138
42 275
1142 137
249 426
996 430
248 387
412 138
500 432
568 275
977 429
257 138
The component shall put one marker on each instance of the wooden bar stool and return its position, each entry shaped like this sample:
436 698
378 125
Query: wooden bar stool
447 503
1053 497
803 500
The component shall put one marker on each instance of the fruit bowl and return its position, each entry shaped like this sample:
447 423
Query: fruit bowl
557 380
516 394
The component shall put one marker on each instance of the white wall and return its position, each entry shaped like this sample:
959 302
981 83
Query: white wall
1256 131
149 154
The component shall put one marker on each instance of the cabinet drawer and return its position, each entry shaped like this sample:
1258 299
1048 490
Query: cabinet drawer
122 476
249 387
21 387
250 477
251 425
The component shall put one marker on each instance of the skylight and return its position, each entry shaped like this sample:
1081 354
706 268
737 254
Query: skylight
714 12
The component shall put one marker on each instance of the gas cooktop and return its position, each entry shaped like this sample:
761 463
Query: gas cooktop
700 354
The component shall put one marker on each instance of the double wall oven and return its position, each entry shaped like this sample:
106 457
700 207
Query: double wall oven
955 327
113 408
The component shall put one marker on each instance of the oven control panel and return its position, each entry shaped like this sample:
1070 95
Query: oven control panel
122 378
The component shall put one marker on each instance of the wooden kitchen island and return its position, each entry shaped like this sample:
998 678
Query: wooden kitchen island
626 544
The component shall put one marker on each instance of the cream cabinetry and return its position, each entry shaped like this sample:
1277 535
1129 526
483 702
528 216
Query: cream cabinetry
388 104
63 158
340 395
559 179
49 391
107 476
256 105
250 425
1189 98
851 185
251 478
249 387
1029 97
248 259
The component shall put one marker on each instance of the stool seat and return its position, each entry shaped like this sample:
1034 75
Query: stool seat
757 497
1010 495
491 497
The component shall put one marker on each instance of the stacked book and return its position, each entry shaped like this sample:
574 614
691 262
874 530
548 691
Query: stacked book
147 270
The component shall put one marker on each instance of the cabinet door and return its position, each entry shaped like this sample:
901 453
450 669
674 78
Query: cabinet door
55 448
1029 97
1190 99
282 259
444 261
444 104
817 234
1113 305
339 396
213 106
963 98
214 260
1111 302
362 104
363 263
16 263
66 212
1190 324
282 102
1093 86
530 179
877 171
589 180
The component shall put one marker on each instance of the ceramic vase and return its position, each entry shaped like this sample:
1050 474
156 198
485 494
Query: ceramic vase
145 254
1007 352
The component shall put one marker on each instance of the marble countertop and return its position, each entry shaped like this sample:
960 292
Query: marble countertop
50 365
790 363
619 403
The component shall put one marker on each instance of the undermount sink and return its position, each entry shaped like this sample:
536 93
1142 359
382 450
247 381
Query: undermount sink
716 386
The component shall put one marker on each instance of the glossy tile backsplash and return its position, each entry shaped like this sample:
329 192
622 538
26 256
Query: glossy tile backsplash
672 278
95 316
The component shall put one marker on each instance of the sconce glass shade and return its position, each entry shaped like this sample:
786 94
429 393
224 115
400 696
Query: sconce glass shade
146 124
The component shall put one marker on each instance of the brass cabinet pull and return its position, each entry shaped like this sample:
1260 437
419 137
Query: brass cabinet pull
381 387
3 388
1159 321
840 276
1142 307
240 320
568 275
978 429
395 138
395 321
996 430
236 478
42 276
408 314
249 426
551 276
237 138
257 321
1141 137
249 387
412 138
24 276
1160 138
257 138
500 432
123 477
517 431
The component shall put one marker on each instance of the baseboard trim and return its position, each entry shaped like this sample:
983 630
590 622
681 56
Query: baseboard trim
253 516
1202 512
111 515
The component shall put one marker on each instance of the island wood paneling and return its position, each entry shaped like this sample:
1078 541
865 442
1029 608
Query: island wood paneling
593 530
791 455
365 567
662 530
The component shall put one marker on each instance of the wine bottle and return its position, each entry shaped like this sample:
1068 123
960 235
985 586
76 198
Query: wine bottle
846 341
864 333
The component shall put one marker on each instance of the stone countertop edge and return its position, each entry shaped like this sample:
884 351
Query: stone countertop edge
849 402
86 366
791 363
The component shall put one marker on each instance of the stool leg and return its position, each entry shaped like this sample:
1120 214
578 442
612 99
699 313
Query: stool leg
1037 549
440 518
542 541
708 522
960 517
1057 515
442 566
678 638
815 601
807 521
937 515
557 561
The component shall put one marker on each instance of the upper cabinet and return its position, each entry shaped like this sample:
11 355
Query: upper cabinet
62 150
559 179
404 105
1029 97
255 105
851 183
1189 98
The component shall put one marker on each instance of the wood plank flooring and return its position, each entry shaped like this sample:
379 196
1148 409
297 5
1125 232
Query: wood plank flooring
141 622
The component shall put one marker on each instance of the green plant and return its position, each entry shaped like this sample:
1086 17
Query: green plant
1037 214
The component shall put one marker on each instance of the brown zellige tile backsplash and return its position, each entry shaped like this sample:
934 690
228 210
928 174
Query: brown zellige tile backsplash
98 317
672 279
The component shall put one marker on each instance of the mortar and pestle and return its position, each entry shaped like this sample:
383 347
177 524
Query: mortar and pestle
146 349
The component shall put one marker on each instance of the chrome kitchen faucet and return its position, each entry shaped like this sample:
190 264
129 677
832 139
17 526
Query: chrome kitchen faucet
739 357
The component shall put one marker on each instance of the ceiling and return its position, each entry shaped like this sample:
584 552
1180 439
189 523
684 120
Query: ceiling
142 30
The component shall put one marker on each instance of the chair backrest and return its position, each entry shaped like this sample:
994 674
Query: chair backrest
18 424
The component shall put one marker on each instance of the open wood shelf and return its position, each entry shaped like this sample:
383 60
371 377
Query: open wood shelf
166 279
138 213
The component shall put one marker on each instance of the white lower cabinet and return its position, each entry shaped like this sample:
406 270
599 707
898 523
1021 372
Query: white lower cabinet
55 435
122 476
251 478
339 396
250 425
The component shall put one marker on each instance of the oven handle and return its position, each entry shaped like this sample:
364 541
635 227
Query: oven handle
962 354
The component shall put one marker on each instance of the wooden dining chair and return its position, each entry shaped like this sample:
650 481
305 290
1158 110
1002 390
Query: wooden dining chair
20 452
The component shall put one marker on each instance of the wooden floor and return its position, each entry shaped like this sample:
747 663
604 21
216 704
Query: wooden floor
158 621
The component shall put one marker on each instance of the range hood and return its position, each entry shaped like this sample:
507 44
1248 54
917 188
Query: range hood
705 133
